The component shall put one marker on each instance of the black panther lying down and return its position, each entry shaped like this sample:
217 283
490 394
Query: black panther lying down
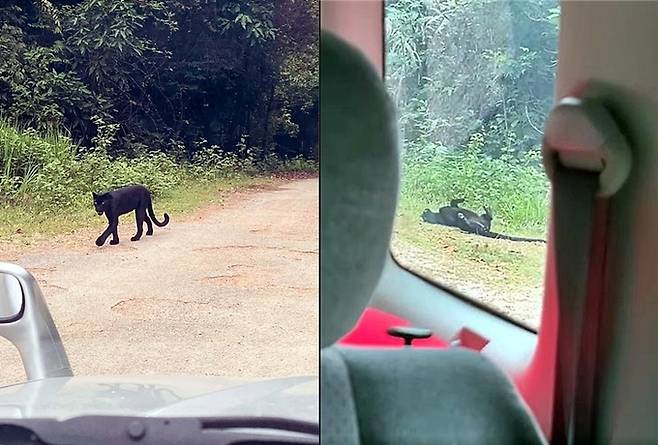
468 221
455 216
122 201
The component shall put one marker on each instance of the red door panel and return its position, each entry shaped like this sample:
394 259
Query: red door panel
371 331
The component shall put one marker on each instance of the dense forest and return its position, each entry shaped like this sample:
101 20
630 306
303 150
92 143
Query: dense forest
97 93
168 75
469 66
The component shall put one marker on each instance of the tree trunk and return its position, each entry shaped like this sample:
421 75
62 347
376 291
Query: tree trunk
268 117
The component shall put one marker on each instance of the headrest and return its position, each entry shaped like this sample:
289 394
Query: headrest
358 184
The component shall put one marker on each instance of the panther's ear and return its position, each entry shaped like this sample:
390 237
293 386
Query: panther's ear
94 195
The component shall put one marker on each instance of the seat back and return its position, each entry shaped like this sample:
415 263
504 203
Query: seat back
358 184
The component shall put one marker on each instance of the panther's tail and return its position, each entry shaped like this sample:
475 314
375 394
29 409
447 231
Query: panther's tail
152 215
511 238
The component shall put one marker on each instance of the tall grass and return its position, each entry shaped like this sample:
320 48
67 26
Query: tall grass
48 172
23 156
516 190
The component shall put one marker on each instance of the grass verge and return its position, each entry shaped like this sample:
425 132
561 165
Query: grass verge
26 225
472 258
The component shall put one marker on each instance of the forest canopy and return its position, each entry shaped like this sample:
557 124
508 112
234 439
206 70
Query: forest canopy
169 76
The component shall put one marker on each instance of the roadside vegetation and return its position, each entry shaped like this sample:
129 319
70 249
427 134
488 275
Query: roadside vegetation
516 189
47 181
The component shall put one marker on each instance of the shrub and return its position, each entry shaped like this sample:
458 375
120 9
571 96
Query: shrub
44 170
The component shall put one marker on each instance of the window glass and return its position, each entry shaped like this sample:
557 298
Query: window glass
473 83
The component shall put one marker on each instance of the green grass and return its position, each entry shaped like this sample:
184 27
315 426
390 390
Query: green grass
193 195
20 224
473 259
517 192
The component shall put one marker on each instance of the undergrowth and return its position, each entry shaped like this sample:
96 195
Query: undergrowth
46 180
516 190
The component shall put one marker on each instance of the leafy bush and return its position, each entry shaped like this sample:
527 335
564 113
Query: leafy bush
45 170
156 170
211 162
26 156
299 164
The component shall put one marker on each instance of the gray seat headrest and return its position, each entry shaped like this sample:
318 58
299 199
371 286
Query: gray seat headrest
358 184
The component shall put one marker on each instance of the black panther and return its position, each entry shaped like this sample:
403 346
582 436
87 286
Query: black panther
125 200
468 221
455 216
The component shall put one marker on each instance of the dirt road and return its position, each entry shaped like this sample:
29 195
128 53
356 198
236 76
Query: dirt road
231 290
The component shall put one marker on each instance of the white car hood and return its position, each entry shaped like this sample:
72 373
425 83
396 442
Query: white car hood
153 396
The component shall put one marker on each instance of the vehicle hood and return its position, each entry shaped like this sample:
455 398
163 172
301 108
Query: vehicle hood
155 396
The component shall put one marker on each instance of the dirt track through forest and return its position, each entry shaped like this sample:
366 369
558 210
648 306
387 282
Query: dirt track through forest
231 290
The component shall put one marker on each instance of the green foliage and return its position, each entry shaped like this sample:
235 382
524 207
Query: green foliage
473 83
45 170
157 76
211 162
250 20
465 66
23 156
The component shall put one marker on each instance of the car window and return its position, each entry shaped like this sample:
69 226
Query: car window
473 83
194 124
